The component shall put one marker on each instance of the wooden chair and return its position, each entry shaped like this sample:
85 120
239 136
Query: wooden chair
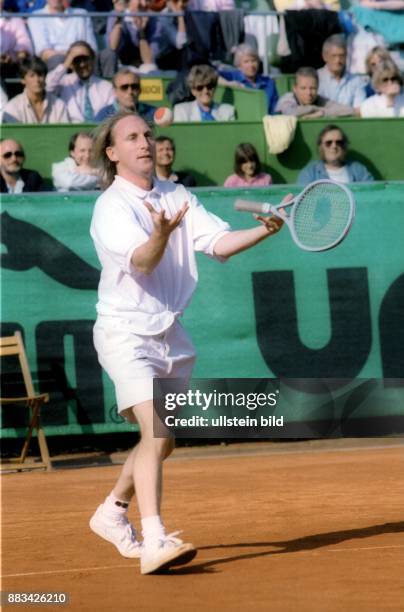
13 345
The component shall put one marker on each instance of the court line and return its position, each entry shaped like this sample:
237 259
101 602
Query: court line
209 560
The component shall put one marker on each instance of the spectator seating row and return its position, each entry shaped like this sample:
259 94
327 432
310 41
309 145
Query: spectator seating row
207 149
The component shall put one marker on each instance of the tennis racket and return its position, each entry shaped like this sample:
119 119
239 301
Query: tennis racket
320 216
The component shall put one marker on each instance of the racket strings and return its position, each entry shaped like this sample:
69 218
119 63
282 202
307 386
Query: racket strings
322 216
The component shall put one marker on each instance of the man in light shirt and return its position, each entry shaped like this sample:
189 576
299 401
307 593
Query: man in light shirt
34 104
146 233
335 83
15 44
83 93
52 36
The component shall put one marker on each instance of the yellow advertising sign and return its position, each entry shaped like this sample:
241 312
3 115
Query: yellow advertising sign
152 90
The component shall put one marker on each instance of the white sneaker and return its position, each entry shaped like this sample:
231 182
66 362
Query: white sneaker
165 553
117 531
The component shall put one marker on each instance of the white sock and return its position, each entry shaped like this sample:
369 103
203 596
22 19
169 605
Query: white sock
152 529
114 507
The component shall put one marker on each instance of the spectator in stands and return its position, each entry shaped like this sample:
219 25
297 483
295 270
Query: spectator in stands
76 173
84 93
202 81
333 147
34 104
127 89
304 101
388 101
247 169
53 36
246 74
173 36
15 44
373 59
13 177
133 40
3 101
335 83
165 157
211 6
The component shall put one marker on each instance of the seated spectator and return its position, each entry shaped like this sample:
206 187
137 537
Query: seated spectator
15 44
388 101
34 104
332 147
165 157
83 93
13 177
304 101
373 59
52 36
211 6
202 81
127 89
75 173
172 37
133 40
335 82
247 169
246 74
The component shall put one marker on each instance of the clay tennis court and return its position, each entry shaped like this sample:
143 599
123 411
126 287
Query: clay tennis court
302 527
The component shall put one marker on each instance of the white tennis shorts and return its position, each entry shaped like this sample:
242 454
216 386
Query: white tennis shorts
132 360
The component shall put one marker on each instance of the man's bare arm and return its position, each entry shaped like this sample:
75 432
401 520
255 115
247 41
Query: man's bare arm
241 240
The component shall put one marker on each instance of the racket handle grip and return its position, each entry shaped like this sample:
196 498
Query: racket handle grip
255 207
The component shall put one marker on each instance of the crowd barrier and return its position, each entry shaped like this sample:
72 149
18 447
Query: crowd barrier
207 149
273 311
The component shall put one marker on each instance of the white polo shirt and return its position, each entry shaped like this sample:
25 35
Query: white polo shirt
120 224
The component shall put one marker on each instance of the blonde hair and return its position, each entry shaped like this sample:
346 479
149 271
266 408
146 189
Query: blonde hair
104 138
385 69
381 52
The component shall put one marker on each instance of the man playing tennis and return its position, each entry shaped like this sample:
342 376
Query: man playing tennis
146 233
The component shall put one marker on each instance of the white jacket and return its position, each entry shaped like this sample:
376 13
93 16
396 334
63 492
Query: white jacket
189 111
66 178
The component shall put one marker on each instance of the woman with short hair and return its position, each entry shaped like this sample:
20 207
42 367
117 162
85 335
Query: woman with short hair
388 101
202 81
246 74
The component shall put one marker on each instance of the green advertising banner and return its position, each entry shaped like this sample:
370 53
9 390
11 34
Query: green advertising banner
272 312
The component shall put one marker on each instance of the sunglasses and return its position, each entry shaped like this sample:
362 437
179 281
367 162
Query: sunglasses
9 154
81 59
132 86
393 79
338 143
209 87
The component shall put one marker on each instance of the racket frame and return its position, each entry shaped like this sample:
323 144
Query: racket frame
275 209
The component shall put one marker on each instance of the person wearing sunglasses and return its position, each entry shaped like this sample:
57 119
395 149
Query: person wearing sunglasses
202 81
375 56
388 101
126 84
75 83
332 145
13 177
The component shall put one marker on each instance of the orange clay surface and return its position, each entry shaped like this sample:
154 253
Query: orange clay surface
301 527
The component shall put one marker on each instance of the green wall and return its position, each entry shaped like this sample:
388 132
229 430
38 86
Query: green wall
207 149
274 311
